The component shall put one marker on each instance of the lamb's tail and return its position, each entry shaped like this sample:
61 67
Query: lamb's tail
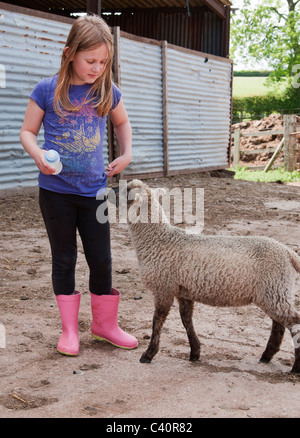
295 259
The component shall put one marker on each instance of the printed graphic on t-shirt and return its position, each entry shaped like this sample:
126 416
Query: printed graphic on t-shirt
77 137
80 139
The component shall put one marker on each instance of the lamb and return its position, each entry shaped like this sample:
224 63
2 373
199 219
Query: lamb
213 270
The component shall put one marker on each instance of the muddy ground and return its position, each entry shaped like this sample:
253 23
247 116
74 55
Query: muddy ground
107 382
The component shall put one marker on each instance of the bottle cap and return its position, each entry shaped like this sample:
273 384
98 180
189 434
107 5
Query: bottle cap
51 156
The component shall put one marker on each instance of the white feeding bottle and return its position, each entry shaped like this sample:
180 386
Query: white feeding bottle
53 159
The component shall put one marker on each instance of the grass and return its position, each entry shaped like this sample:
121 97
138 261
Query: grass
251 86
275 175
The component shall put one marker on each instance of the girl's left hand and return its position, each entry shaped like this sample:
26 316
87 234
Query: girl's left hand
116 166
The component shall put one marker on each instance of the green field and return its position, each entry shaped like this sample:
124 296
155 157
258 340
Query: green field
251 86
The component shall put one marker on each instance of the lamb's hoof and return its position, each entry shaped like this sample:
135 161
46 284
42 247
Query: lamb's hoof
194 357
145 359
264 359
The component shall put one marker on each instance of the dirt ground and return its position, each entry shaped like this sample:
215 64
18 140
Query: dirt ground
106 382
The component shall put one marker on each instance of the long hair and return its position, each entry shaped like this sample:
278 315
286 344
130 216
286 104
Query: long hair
87 33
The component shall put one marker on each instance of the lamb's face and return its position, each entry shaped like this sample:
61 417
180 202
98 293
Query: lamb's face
141 201
138 202
128 193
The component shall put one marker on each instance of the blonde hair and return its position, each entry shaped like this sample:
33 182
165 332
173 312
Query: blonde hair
87 32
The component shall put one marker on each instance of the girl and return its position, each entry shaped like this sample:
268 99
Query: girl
73 106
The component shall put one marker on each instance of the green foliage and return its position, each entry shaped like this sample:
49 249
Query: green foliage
256 105
285 103
269 32
277 175
249 73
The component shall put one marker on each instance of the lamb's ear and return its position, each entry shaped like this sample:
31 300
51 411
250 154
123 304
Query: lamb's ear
138 198
136 195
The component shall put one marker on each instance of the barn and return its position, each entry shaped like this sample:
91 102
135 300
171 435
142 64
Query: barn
171 62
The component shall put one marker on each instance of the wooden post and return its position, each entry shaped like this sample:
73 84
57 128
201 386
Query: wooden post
292 152
117 61
236 148
93 7
273 158
113 146
110 140
164 47
289 122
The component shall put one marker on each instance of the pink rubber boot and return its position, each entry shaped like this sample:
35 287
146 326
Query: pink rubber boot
69 307
105 324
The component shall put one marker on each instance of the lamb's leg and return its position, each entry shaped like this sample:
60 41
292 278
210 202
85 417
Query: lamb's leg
286 317
160 314
292 322
295 332
186 312
274 342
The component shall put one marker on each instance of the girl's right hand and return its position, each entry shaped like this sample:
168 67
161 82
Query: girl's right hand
42 164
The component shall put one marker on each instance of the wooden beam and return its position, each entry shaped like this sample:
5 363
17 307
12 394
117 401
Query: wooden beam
289 122
226 33
113 145
164 46
273 158
236 148
35 13
117 55
216 7
93 7
226 2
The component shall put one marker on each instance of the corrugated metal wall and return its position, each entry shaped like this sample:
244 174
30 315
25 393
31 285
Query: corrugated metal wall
30 49
141 83
199 108
199 96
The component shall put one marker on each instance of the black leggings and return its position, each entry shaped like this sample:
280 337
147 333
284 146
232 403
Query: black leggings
63 214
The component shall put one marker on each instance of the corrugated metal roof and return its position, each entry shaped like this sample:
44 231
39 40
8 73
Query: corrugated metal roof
196 24
114 4
45 5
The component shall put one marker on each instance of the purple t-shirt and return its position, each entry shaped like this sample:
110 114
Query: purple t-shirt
77 137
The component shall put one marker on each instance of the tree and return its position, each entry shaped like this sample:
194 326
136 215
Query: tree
270 32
